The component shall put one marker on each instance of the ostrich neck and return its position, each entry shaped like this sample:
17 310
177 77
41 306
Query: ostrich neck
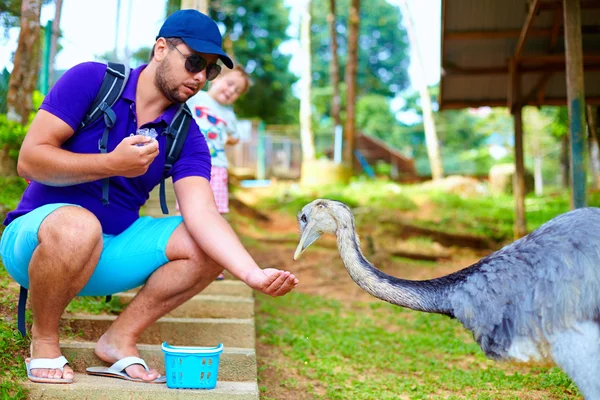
428 296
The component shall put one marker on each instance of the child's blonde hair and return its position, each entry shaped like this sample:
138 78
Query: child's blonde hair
242 71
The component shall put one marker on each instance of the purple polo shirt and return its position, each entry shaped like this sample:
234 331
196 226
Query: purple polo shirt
69 100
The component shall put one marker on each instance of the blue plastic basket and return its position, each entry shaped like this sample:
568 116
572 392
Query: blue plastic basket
192 367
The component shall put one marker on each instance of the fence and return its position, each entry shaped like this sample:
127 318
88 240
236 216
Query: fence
264 151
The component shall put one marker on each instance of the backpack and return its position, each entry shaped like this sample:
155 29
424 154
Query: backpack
110 91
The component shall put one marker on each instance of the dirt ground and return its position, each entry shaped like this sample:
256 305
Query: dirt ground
321 272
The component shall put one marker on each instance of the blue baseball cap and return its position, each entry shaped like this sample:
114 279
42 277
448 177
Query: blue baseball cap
198 31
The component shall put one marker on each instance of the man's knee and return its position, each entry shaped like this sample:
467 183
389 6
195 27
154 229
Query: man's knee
71 226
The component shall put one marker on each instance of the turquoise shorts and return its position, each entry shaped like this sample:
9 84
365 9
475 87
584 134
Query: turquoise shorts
127 261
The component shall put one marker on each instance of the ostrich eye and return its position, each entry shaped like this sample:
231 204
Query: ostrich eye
303 218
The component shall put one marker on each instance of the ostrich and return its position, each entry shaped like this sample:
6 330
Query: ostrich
536 300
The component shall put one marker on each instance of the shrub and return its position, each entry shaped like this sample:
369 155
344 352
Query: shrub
11 136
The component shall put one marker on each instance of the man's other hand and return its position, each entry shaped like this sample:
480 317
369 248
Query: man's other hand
271 281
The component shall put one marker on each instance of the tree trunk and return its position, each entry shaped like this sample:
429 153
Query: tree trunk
306 134
431 140
593 147
351 72
54 41
24 76
334 67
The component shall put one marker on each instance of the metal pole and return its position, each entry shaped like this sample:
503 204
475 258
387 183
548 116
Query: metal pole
46 58
338 145
260 152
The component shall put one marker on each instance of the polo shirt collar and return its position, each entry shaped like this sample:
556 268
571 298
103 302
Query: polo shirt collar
129 95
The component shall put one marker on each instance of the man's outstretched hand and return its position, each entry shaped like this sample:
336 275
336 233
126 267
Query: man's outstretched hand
271 281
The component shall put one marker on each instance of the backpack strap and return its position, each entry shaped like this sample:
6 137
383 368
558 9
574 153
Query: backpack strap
176 134
21 311
110 91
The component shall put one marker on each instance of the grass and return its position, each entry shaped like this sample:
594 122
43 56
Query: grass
359 350
490 216
12 345
382 195
385 351
95 305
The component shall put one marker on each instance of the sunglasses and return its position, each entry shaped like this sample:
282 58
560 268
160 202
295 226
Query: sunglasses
194 64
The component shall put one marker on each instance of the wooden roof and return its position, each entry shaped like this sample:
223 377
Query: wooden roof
480 37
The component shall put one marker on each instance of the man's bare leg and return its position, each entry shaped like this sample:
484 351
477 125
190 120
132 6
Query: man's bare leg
70 244
188 273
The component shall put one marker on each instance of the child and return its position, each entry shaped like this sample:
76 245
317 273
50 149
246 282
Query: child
217 121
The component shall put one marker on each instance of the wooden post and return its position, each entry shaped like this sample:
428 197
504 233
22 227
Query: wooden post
575 100
516 109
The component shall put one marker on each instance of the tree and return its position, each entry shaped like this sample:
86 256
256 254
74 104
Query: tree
383 45
10 14
54 40
27 63
431 139
538 140
351 75
256 29
374 117
334 66
592 121
306 133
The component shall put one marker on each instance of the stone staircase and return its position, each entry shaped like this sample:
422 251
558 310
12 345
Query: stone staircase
222 313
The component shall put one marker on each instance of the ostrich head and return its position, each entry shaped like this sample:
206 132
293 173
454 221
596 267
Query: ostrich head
329 216
321 216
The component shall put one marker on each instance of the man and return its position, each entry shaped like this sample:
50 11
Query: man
62 240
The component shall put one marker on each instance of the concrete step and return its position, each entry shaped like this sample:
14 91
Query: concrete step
232 332
207 306
235 365
99 388
228 287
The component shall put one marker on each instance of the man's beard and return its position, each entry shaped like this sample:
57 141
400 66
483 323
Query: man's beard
162 83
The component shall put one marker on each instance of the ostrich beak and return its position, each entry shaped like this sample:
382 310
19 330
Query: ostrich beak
309 235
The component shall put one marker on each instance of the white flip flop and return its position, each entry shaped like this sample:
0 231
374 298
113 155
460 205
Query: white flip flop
117 370
49 363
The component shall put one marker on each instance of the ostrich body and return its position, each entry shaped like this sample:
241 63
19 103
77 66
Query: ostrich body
537 300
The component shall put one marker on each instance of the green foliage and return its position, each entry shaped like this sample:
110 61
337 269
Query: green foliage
560 118
374 117
383 47
11 135
11 190
10 13
141 55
